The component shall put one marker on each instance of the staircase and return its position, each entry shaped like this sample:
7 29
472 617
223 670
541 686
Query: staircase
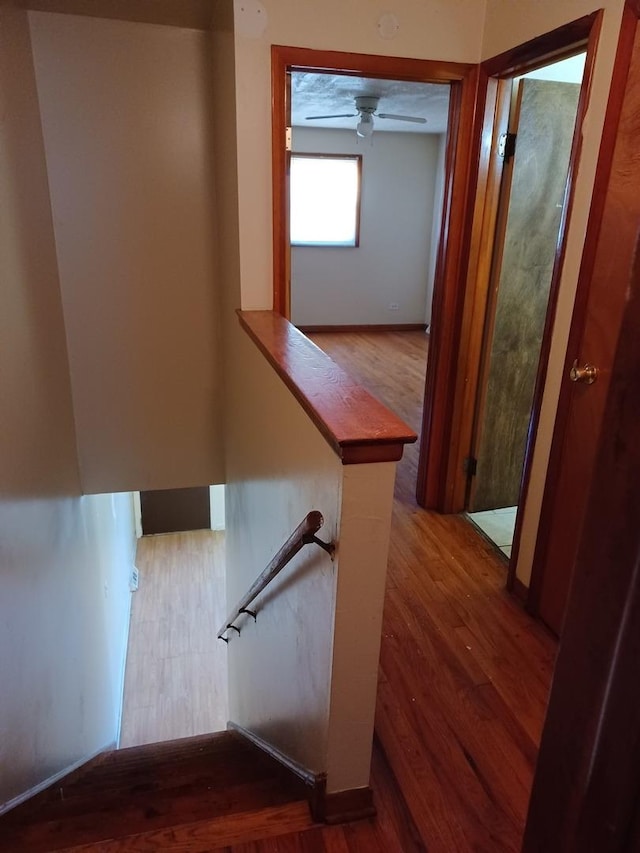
194 794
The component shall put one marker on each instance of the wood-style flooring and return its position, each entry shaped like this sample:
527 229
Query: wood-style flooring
176 674
464 671
392 367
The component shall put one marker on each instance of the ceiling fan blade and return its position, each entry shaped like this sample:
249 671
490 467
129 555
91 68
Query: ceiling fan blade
340 115
414 119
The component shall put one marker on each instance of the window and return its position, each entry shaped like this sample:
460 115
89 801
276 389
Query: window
325 199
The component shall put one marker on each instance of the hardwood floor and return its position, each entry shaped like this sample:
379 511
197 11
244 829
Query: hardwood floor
392 367
176 677
464 671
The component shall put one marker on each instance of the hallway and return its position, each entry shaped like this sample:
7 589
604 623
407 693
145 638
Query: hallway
464 671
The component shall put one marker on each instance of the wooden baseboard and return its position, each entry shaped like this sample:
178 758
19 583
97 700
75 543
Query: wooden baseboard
311 779
340 807
382 327
520 591
345 806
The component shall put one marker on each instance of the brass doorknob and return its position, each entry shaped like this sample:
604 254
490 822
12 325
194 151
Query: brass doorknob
587 374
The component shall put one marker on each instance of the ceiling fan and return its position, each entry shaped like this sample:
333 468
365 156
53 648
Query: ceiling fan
366 107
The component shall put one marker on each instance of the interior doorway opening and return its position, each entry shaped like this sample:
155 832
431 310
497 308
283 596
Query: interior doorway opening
462 137
531 210
363 263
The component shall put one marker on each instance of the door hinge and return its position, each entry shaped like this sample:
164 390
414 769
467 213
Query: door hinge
507 145
288 139
470 466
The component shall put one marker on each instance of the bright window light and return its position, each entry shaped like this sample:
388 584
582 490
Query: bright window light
325 199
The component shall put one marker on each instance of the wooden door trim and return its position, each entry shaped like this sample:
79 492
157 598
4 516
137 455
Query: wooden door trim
587 782
468 86
603 172
564 41
586 787
286 59
440 421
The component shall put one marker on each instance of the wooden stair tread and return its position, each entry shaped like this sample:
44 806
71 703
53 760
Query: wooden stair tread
154 789
150 767
214 835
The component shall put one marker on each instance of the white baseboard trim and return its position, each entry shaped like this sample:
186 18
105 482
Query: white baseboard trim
51 780
127 631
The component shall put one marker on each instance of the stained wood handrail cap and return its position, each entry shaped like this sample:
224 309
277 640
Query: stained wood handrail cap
356 425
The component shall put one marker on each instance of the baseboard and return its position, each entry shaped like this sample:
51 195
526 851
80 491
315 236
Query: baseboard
345 806
127 631
309 778
51 780
339 807
382 327
520 591
127 627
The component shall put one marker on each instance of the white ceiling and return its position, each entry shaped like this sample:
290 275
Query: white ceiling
326 94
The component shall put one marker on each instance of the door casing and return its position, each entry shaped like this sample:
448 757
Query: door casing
461 167
565 41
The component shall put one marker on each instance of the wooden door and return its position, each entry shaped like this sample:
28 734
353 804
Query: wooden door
544 121
604 278
587 785
586 789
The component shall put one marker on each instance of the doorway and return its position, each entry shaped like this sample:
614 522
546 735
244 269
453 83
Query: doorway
367 178
537 150
449 277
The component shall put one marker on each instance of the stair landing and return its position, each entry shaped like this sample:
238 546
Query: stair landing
193 794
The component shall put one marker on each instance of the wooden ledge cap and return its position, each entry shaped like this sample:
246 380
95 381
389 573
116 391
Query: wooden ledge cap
356 425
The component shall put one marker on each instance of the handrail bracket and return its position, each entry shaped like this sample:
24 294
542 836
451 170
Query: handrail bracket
329 547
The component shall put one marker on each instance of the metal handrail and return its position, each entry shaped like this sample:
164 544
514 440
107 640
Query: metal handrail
304 534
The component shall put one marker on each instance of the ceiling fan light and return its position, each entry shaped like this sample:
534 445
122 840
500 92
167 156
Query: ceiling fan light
364 128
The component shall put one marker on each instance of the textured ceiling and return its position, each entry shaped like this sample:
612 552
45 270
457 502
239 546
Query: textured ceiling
322 94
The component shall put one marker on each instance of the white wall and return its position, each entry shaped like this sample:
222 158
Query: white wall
280 668
64 560
334 286
509 23
127 127
64 619
304 675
